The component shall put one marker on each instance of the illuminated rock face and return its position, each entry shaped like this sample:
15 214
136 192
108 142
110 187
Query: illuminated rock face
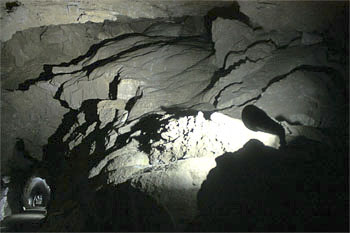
144 107
21 15
167 157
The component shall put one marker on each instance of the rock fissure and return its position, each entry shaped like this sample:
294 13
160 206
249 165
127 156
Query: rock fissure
241 52
271 82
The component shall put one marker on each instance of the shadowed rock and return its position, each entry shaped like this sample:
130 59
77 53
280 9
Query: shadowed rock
257 120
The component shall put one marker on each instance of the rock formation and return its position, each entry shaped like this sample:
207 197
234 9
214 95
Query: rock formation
134 111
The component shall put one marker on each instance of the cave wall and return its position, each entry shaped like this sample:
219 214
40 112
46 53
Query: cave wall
140 101
21 15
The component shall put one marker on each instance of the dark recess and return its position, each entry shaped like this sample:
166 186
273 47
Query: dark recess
261 189
113 88
127 209
230 12
11 6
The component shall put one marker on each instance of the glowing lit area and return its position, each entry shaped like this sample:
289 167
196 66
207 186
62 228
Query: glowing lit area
237 134
36 193
182 153
195 136
176 186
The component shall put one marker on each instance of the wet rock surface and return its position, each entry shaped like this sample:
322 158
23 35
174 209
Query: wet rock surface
136 125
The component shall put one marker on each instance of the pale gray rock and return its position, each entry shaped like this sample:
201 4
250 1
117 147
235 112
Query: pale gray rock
182 152
255 53
25 54
128 88
123 174
175 187
235 77
5 210
107 111
236 41
75 92
254 83
129 156
111 139
53 12
304 98
230 35
32 115
161 72
194 136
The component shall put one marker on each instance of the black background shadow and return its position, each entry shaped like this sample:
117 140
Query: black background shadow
258 188
124 208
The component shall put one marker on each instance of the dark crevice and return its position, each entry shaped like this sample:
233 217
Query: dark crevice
58 96
290 42
94 48
149 125
11 6
44 76
249 101
222 72
90 68
293 123
217 97
89 108
229 12
241 52
334 74
113 87
48 75
130 104
54 153
43 32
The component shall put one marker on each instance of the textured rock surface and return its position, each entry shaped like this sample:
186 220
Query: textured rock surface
175 154
305 98
292 15
32 115
38 13
261 61
176 186
24 55
142 110
158 71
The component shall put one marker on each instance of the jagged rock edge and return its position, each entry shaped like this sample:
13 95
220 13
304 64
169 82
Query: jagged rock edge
278 78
